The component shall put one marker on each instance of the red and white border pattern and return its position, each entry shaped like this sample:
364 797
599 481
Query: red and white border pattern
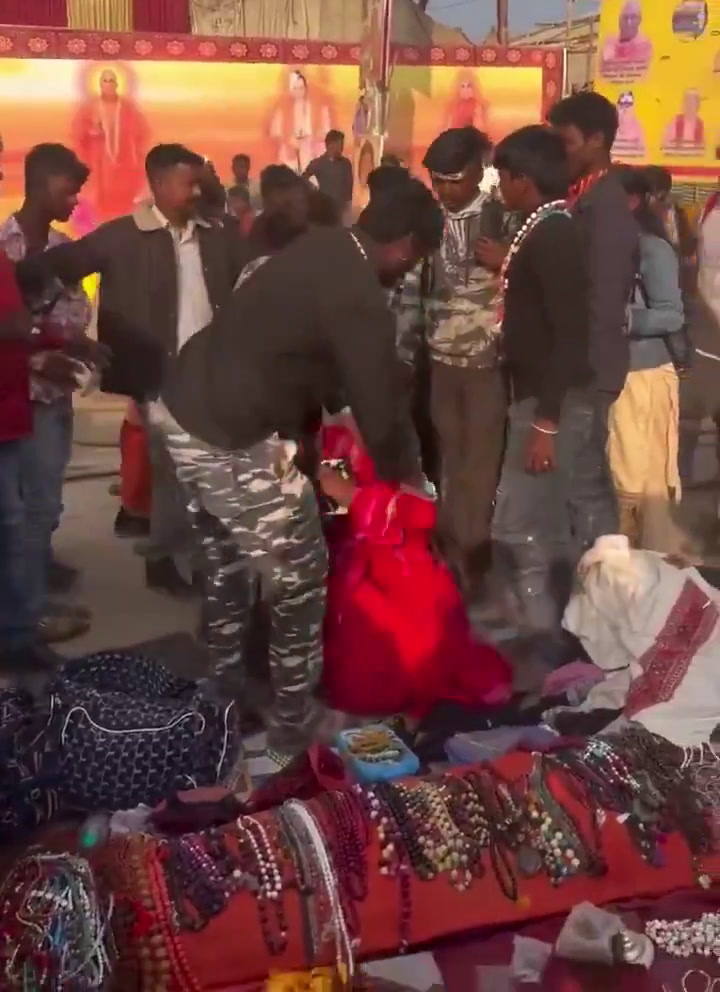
49 43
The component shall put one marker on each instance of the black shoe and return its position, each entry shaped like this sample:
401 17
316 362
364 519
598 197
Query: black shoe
163 576
131 526
61 578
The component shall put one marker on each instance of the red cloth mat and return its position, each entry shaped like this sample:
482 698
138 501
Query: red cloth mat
230 950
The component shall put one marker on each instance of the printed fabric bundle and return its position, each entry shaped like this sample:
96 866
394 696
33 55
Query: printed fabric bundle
119 730
397 638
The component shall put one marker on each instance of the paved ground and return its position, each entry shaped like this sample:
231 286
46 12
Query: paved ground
113 585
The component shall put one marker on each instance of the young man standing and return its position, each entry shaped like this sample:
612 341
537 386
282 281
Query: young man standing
241 177
164 272
455 295
54 177
588 123
251 385
333 173
545 328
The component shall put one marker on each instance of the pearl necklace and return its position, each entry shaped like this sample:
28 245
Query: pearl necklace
683 938
535 218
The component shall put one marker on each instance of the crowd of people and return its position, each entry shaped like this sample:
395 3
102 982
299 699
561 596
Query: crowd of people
516 345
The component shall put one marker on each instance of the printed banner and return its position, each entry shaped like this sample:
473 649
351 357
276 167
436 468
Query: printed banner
375 44
112 97
659 62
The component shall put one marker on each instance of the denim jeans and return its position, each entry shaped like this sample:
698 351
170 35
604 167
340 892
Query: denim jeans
44 460
544 522
19 615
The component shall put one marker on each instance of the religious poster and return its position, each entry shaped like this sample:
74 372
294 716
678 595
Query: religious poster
659 63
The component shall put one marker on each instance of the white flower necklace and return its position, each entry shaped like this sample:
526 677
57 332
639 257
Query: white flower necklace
535 218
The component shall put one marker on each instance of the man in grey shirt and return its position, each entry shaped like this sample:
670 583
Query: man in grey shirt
333 172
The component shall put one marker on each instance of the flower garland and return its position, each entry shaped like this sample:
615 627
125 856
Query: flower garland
535 218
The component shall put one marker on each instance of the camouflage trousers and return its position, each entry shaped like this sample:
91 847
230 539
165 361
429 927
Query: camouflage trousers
253 509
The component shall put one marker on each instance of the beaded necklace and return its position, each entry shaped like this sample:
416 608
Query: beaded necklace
536 217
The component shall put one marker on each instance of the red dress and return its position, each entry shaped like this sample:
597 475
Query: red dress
397 638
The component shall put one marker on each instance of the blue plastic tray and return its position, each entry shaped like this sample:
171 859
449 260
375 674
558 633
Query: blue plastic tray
377 771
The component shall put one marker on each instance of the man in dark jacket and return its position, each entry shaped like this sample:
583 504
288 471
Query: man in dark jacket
333 172
306 323
588 123
164 271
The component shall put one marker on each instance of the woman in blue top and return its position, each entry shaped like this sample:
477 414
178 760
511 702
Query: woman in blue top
643 442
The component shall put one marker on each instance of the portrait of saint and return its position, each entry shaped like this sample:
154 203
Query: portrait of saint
110 135
467 107
299 123
685 134
626 55
690 19
630 140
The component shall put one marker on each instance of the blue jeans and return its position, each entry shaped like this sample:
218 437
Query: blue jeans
19 614
44 459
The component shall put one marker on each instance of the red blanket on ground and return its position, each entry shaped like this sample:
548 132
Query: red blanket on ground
397 637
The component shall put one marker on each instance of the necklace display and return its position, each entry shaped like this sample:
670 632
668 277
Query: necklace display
683 938
459 827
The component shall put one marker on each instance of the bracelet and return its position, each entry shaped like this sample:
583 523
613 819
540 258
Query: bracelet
544 430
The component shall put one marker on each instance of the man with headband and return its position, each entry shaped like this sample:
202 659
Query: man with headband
452 301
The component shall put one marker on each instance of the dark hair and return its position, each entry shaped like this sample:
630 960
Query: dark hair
163 157
47 160
590 112
388 158
455 149
334 135
659 179
407 209
241 157
239 193
323 209
386 177
538 154
635 183
275 177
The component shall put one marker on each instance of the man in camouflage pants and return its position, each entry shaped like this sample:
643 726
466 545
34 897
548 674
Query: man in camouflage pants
254 510
303 325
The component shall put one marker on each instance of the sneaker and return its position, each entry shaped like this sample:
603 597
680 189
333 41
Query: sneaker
162 576
129 525
61 577
62 625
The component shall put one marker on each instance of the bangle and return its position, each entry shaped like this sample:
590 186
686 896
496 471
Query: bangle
544 430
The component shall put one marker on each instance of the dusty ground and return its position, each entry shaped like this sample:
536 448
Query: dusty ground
113 586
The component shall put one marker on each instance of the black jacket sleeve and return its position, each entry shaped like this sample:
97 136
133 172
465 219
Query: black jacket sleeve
360 329
556 257
69 262
611 249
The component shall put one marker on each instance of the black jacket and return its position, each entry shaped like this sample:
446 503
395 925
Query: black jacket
545 321
610 239
138 303
306 324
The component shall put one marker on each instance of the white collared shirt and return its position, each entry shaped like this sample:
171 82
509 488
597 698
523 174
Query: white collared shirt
194 307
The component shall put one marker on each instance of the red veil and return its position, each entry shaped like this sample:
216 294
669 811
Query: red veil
397 638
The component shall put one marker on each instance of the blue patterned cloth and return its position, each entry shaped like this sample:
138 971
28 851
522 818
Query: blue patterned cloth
119 730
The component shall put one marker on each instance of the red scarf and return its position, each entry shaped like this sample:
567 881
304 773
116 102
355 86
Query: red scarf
582 186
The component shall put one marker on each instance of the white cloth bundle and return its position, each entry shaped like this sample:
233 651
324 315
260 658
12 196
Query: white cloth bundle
655 629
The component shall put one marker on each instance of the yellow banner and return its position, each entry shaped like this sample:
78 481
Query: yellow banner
659 62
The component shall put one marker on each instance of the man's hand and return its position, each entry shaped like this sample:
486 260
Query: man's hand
490 254
337 488
58 368
89 351
541 452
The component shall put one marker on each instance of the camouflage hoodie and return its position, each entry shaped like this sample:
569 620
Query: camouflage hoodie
450 300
